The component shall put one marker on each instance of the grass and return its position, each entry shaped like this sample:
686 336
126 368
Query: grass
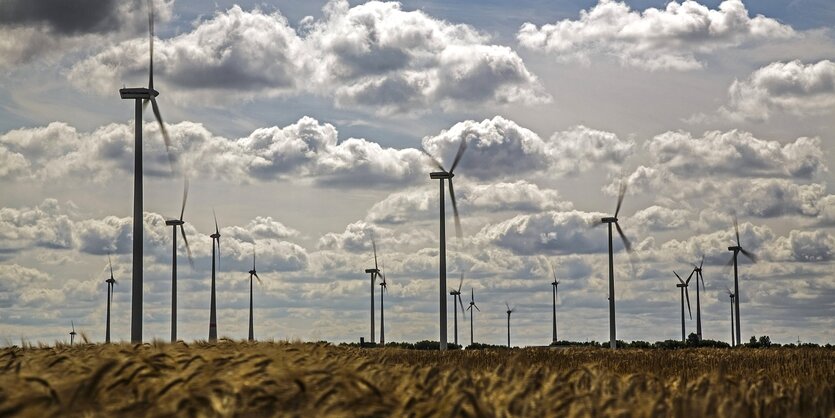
240 379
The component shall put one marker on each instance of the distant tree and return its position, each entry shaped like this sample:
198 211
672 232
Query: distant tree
693 339
765 341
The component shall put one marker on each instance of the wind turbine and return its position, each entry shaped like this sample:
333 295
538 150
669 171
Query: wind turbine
732 296
111 282
736 250
374 272
456 297
614 220
252 274
554 285
142 96
509 311
174 223
445 175
72 333
698 271
682 285
213 306
383 291
472 312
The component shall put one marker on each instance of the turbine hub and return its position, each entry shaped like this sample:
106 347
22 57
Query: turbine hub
680 285
372 270
252 271
440 175
608 220
734 248
215 236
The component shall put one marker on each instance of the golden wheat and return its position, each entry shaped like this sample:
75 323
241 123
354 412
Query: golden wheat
240 379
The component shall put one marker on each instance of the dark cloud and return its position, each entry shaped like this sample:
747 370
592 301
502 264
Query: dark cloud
63 17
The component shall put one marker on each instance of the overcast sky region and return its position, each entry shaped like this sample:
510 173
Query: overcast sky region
300 124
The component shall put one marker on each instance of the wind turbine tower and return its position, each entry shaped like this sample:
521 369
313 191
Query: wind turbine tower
213 304
682 285
736 250
110 284
472 312
554 285
374 273
252 274
614 220
441 176
509 311
456 300
140 96
174 223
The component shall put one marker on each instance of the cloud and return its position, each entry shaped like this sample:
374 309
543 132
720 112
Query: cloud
546 233
805 246
735 153
500 148
792 87
31 30
374 56
659 218
422 204
673 38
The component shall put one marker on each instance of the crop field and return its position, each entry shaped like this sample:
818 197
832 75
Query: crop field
239 379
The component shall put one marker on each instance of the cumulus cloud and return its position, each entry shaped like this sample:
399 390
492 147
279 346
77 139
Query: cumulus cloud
374 55
420 204
499 148
546 233
31 30
805 246
673 38
792 87
735 153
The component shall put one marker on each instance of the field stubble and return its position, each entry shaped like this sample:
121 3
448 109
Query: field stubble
239 379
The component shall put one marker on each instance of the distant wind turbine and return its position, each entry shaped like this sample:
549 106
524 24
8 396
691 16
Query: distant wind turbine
213 305
554 285
736 250
732 296
72 333
509 311
111 282
698 271
383 291
628 246
472 312
445 175
174 223
374 273
682 285
142 96
252 274
456 301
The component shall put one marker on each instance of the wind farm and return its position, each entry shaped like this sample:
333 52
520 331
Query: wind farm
311 128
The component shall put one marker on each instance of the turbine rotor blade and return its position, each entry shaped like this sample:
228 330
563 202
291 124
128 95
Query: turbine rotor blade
703 262
689 277
188 249
626 242
460 282
165 137
461 303
621 194
702 278
751 256
476 307
687 295
374 246
185 196
110 264
258 278
432 158
458 232
217 230
736 228
679 277
461 148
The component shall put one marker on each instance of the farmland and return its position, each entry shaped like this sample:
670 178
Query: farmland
240 379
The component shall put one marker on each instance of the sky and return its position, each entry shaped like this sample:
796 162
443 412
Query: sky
300 124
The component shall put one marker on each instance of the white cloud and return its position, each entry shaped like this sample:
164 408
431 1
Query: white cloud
374 55
546 233
673 38
793 87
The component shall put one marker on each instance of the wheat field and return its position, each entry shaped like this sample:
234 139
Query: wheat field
241 379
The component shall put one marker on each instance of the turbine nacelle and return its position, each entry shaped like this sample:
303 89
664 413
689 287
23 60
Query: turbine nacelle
138 93
680 285
215 236
375 271
609 220
175 222
735 248
440 175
